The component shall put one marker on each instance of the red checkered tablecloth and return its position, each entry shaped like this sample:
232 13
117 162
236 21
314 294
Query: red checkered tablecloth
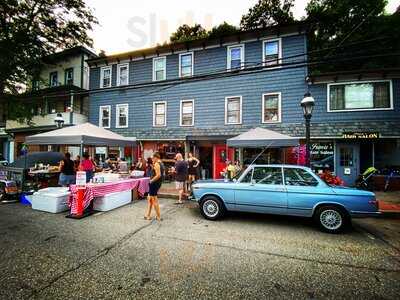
102 189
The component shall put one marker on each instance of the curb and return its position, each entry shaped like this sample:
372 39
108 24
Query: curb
389 214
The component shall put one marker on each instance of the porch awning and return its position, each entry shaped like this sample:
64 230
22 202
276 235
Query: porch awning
260 137
84 134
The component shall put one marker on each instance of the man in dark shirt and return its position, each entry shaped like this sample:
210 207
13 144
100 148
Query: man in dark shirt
181 174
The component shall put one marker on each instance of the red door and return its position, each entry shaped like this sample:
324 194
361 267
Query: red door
221 153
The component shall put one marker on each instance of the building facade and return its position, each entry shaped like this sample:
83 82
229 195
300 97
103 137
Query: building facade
60 90
194 96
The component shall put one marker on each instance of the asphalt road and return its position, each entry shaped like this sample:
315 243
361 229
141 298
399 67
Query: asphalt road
118 255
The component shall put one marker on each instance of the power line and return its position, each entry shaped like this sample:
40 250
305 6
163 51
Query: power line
216 75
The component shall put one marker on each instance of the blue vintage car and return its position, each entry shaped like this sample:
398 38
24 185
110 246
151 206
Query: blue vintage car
285 190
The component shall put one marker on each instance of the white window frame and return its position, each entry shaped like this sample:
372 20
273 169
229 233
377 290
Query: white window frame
278 65
118 106
119 73
226 110
101 115
181 112
180 69
279 108
229 56
359 109
102 69
164 58
154 113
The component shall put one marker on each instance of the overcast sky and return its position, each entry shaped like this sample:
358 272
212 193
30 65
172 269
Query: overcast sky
130 24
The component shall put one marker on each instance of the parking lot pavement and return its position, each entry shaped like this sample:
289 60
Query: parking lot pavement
118 255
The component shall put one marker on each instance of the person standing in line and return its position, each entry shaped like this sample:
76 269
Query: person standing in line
77 162
193 163
149 167
67 171
181 174
156 179
87 166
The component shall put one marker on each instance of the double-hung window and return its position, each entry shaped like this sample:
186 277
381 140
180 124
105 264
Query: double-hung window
235 58
187 113
105 116
69 76
272 52
159 68
105 77
186 64
53 79
372 95
233 110
122 112
160 114
122 74
271 108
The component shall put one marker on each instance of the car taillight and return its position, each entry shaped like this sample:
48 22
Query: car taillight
375 203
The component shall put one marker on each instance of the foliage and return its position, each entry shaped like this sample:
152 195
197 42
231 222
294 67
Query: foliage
336 23
222 30
186 33
267 13
32 29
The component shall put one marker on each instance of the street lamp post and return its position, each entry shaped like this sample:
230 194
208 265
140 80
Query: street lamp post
59 120
308 105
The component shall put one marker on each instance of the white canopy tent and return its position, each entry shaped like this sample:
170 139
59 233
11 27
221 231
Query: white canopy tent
260 138
85 134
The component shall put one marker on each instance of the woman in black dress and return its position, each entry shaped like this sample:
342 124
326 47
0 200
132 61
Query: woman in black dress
156 179
193 163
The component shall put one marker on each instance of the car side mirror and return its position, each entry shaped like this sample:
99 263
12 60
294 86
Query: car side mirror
234 180
253 181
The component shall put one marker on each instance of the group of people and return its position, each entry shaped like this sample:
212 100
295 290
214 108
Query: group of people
69 167
185 172
88 164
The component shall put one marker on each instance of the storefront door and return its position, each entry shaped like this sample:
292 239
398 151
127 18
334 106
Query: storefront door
221 154
347 162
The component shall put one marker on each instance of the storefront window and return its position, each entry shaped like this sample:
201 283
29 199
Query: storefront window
322 156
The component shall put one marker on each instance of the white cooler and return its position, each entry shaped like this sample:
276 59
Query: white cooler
113 200
53 199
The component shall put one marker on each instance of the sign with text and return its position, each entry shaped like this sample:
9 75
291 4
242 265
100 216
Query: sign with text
360 135
81 178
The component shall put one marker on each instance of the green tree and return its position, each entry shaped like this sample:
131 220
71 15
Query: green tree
336 23
266 13
222 30
186 33
32 29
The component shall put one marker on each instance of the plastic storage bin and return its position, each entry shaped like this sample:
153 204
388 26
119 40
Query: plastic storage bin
113 200
53 200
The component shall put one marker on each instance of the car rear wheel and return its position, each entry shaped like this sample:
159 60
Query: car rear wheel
331 219
212 208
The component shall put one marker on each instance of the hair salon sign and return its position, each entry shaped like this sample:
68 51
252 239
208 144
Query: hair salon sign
360 135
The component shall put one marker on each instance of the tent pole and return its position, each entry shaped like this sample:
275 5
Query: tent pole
81 150
265 148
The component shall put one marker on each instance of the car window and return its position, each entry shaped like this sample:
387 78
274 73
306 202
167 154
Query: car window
299 177
247 177
267 175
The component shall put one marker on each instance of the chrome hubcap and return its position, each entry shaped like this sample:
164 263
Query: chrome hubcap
210 208
331 219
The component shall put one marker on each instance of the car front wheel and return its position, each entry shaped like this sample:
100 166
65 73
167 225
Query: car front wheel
331 219
212 208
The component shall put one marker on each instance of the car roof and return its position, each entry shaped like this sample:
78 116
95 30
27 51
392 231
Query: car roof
279 166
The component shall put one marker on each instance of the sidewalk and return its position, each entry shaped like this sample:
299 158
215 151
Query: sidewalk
389 202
